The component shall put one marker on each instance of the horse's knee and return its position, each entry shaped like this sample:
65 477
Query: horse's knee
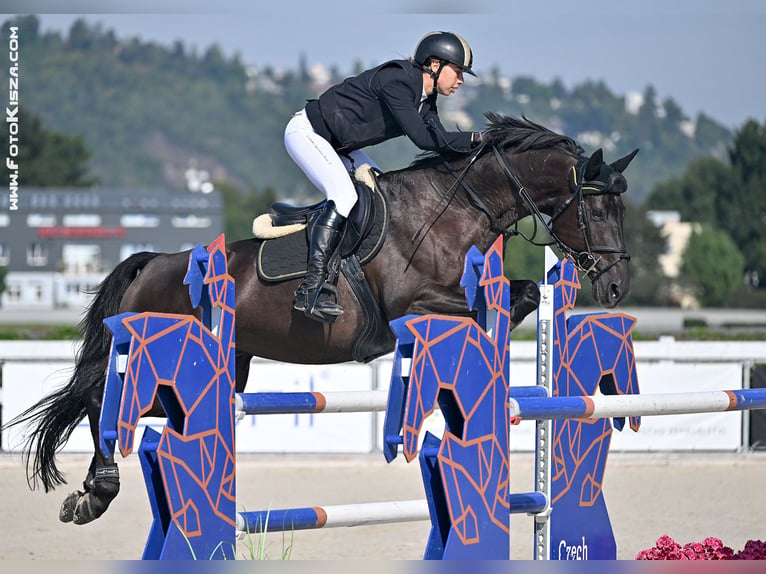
525 298
530 293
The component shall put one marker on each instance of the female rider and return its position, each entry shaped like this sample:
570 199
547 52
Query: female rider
325 139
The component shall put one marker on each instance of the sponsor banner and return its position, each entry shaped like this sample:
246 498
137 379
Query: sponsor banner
307 433
704 431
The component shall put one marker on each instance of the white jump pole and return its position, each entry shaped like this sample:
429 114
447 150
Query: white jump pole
310 402
309 518
606 406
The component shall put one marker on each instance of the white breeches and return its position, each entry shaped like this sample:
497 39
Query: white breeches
328 171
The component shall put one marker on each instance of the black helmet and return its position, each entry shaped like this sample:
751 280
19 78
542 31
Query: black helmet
447 47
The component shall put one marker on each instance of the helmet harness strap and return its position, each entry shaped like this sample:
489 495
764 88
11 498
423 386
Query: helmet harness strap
435 76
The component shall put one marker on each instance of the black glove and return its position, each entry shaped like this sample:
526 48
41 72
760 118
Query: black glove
476 138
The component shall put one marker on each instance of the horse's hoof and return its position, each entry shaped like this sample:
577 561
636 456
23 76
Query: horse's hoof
87 510
66 514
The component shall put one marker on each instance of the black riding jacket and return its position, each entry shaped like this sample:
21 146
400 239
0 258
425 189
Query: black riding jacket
380 104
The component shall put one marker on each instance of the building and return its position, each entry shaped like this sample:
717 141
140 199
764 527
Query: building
62 242
676 234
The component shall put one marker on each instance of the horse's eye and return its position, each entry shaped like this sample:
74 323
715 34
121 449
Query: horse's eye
598 214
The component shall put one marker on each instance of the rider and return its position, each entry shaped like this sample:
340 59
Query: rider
325 140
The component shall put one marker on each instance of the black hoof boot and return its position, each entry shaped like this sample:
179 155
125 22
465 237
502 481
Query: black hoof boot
84 507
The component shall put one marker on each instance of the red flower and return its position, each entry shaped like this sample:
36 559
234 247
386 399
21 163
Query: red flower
709 549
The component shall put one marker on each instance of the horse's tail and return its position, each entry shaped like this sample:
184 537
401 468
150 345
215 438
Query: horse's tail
55 416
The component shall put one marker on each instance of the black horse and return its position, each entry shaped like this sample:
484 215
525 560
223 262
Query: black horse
438 208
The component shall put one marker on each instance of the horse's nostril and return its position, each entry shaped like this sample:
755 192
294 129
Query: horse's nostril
615 291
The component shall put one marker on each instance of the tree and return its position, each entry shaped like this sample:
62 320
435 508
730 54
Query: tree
674 115
3 275
49 158
648 285
29 28
742 207
524 260
730 196
713 266
241 208
694 195
709 133
647 122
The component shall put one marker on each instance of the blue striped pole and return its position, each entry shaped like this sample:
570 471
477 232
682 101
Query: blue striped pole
314 517
606 406
310 402
527 391
310 518
527 502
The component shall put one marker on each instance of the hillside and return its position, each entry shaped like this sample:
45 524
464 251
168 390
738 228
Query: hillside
147 112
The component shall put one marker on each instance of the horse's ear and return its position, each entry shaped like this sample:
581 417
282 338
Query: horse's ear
620 164
594 164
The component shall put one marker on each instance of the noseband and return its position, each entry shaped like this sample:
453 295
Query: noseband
586 261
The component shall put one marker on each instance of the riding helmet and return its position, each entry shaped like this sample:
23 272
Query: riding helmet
447 47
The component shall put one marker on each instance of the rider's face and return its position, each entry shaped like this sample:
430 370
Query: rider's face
450 79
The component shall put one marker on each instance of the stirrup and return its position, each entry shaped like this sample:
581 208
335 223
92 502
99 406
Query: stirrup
322 307
301 302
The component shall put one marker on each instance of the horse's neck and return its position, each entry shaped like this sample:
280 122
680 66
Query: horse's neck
544 176
424 201
424 198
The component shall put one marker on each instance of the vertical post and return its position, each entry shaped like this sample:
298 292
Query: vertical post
747 369
543 439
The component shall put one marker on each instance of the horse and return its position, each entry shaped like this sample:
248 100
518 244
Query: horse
438 207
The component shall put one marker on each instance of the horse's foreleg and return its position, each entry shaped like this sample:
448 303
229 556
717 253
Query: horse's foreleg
525 298
103 480
243 369
439 300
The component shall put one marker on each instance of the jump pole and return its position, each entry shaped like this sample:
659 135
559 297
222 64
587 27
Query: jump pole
608 406
361 514
309 402
311 518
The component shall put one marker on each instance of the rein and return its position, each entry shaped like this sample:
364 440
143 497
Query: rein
476 201
586 261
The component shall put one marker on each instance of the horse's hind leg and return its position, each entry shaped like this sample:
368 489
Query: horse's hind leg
102 483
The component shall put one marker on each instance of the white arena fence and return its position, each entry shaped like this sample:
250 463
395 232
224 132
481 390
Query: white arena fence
32 369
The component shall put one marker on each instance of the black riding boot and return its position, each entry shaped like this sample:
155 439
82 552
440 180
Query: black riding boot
313 295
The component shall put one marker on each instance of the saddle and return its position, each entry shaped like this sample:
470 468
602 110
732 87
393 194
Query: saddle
283 253
286 230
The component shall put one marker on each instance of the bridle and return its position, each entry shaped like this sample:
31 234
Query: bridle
586 261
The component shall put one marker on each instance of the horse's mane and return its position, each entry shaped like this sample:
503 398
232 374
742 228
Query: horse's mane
519 133
524 135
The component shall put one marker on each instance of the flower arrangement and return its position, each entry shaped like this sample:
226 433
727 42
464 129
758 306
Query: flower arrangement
709 549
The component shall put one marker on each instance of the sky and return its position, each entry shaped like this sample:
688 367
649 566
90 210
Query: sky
708 55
